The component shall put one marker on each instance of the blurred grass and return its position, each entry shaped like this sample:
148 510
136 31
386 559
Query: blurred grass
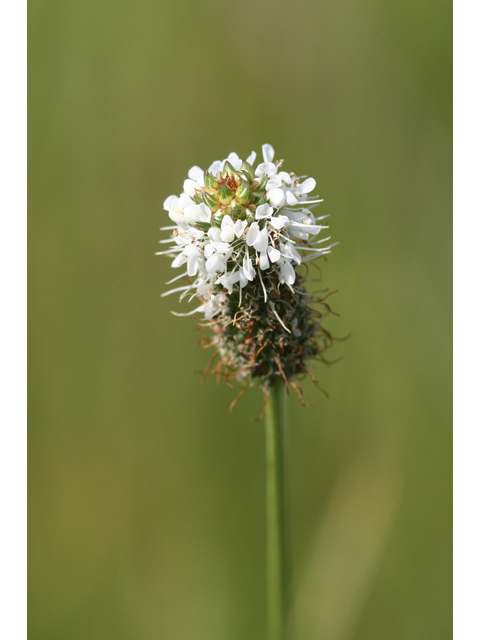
146 495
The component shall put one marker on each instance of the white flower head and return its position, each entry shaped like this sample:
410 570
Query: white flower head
242 233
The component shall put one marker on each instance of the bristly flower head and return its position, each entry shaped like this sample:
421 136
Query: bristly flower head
242 234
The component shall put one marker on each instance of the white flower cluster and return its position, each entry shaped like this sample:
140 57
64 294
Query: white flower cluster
235 224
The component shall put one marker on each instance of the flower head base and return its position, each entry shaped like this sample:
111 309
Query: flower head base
242 234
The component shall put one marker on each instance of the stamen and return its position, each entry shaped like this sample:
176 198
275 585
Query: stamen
280 320
167 293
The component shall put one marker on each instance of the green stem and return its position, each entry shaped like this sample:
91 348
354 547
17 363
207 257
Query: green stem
275 425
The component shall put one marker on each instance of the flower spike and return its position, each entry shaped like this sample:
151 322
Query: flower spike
243 234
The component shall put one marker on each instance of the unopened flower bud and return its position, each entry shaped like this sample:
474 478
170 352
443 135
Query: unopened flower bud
211 201
210 182
225 194
247 169
261 185
244 193
228 170
235 210
259 199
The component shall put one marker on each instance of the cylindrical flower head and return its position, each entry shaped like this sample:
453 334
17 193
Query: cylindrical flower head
241 236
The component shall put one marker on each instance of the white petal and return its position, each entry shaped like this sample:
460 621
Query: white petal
214 234
233 277
297 232
308 185
184 201
263 211
251 157
261 242
252 233
227 233
273 254
296 256
288 272
296 216
176 216
291 199
170 202
208 250
274 183
268 152
279 222
191 213
215 263
222 247
215 167
190 187
190 249
285 177
235 161
248 269
179 260
192 265
239 227
266 168
204 214
227 221
223 280
195 173
264 263
243 278
276 197
309 217
306 228
211 264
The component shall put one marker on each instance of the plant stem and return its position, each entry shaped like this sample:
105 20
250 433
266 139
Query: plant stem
275 428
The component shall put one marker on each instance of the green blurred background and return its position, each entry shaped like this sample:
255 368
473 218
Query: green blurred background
146 495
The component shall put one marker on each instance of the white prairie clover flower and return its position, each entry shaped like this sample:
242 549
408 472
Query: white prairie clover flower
242 233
